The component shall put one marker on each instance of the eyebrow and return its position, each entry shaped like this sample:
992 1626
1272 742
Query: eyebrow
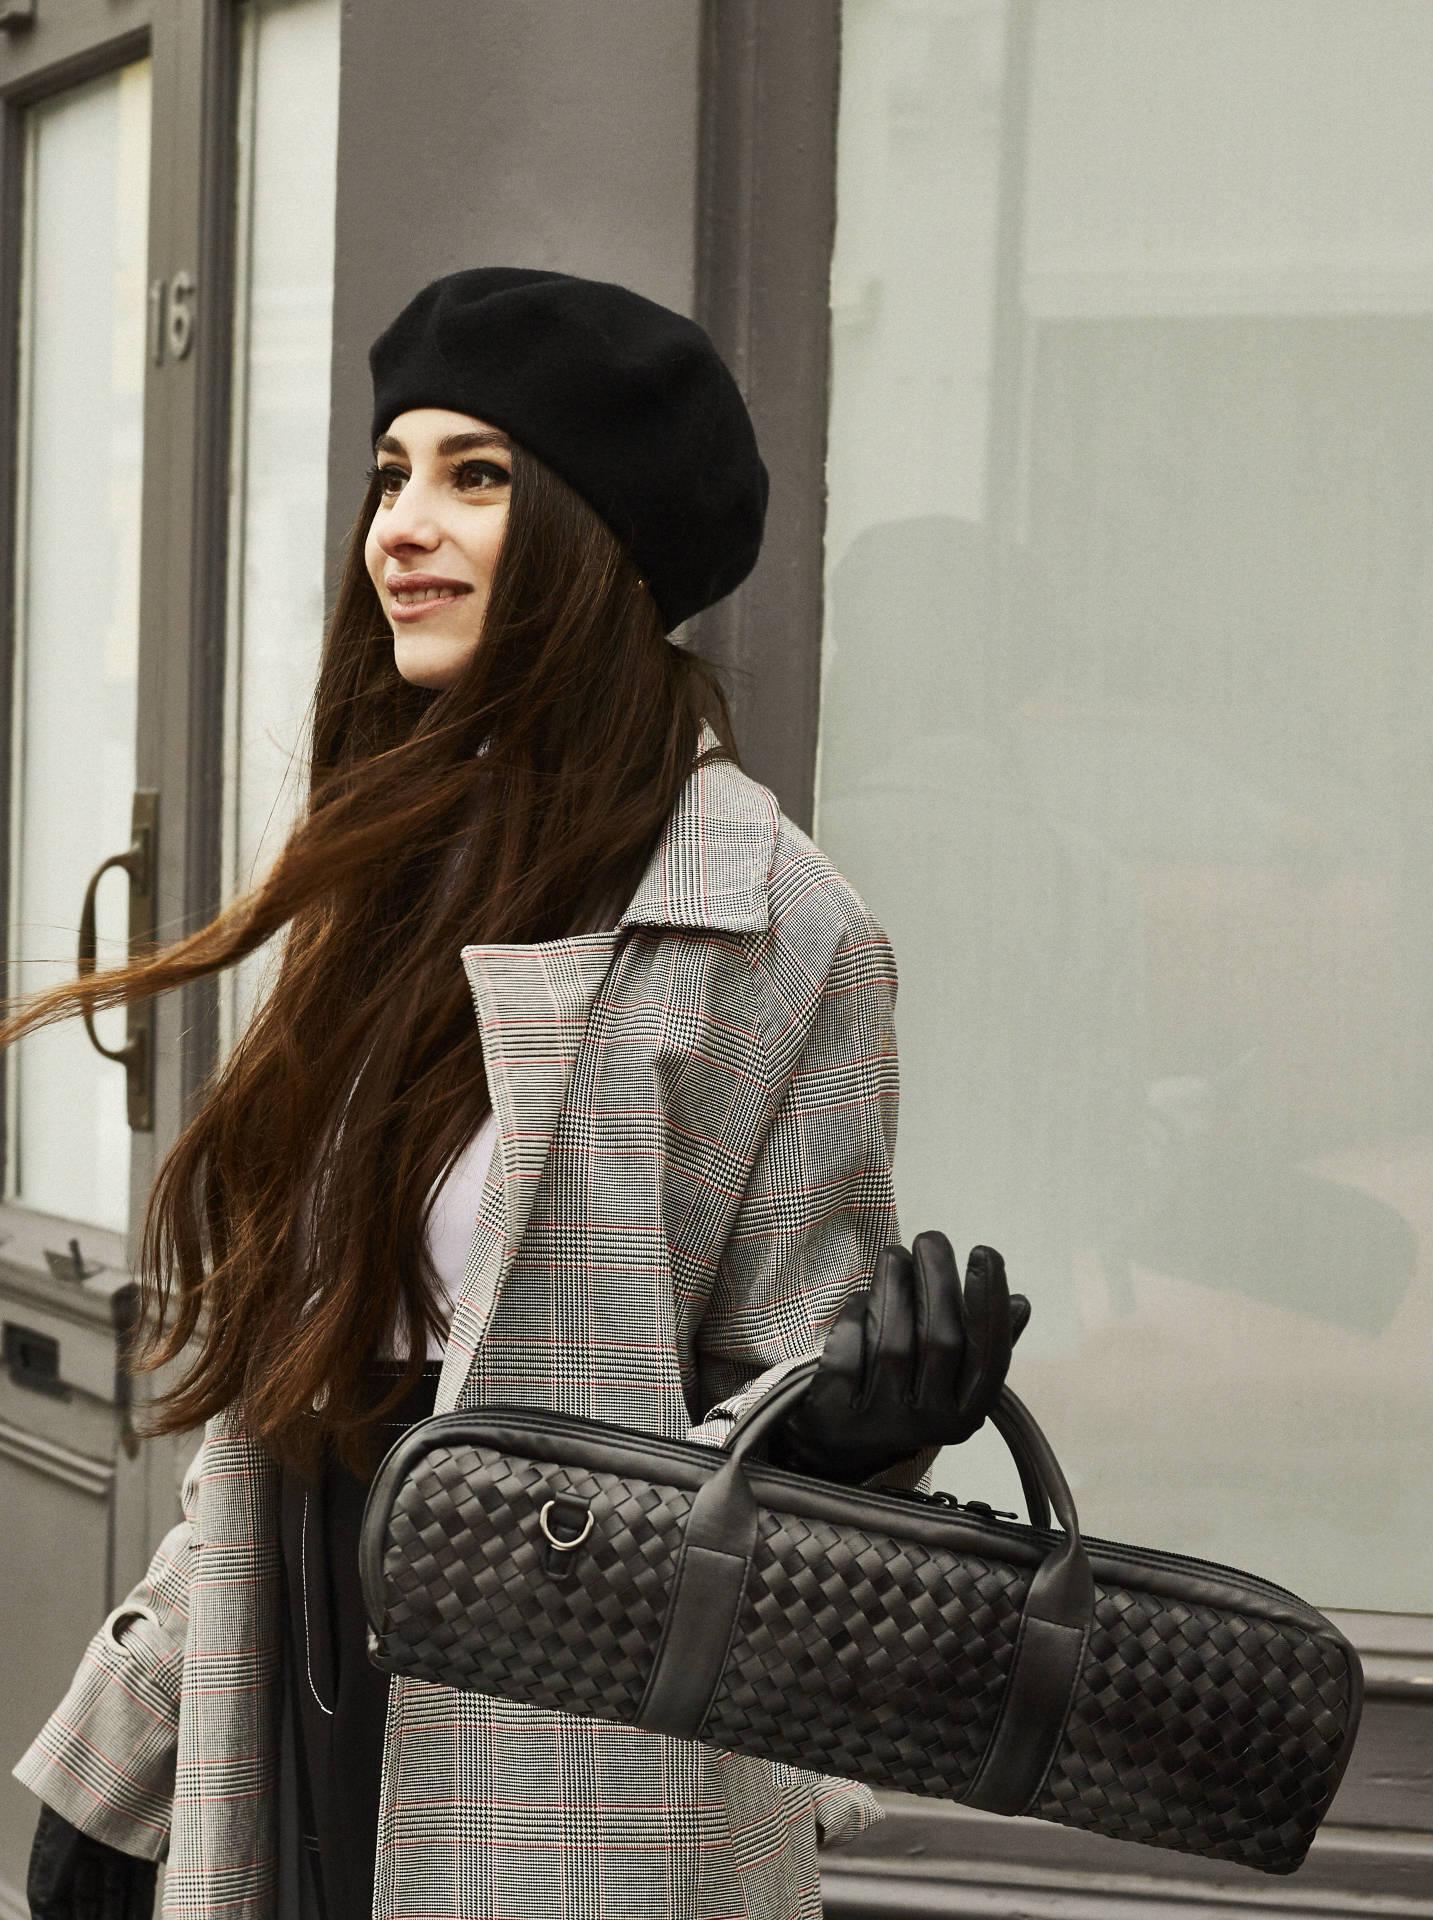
454 443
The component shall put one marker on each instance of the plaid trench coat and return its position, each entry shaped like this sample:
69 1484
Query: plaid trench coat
696 1129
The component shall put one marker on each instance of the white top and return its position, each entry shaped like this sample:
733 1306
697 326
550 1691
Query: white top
450 1224
451 1221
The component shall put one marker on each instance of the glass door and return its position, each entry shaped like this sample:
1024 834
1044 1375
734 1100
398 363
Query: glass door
167 181
80 324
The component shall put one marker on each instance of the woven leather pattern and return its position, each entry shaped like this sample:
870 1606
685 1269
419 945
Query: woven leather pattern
1203 1730
469 1604
869 1656
863 1655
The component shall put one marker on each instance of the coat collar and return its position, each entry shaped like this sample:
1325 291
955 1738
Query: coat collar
710 866
709 870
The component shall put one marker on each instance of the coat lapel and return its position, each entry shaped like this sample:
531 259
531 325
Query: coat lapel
708 871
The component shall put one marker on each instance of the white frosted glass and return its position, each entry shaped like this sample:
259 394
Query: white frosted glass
1127 699
80 450
288 142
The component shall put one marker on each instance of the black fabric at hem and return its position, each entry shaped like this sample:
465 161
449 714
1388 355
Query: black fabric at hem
335 1701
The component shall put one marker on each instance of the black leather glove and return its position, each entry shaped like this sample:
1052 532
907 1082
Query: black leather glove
910 1362
75 1877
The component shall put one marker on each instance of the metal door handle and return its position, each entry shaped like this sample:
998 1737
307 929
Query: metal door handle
138 861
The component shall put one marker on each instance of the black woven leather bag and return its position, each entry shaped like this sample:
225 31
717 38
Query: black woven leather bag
899 1639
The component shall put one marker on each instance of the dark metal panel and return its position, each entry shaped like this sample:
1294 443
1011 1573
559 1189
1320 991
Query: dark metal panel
767 222
200 230
560 136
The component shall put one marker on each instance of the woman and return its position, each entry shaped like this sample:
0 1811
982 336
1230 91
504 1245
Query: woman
642 1184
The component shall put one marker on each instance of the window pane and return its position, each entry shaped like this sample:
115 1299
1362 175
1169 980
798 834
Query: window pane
1125 736
288 133
80 447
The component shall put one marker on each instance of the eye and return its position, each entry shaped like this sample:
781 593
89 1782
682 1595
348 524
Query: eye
456 472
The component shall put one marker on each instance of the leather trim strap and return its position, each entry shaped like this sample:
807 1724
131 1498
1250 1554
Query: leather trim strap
1049 1648
717 1550
1031 1722
696 1638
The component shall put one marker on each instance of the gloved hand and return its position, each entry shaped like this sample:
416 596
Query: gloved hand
75 1877
909 1363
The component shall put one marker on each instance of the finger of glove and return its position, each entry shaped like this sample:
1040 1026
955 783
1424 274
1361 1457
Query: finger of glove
940 1326
837 1380
821 1434
824 1410
1019 1316
890 1340
987 1334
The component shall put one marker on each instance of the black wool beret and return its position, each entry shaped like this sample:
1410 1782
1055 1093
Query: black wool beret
627 401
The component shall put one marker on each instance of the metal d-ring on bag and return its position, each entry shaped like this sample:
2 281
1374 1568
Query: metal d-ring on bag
904 1640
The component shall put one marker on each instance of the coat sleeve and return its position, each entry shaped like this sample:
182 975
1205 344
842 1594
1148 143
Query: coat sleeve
818 1206
819 1202
105 1758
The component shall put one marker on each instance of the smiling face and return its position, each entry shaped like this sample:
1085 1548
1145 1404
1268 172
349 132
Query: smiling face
442 511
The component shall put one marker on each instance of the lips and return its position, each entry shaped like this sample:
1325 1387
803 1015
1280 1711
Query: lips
422 608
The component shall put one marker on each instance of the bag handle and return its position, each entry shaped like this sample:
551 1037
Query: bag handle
758 1421
717 1548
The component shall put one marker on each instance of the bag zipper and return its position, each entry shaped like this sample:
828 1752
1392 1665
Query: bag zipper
940 1497
448 1427
985 1515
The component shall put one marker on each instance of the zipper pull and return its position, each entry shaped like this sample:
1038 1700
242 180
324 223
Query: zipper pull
940 1498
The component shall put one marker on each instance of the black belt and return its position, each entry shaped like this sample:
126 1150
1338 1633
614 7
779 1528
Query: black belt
336 1700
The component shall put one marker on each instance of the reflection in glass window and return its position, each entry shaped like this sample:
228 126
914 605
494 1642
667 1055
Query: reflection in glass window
1127 733
288 144
80 454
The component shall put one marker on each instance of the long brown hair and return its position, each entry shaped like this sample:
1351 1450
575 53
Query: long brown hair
519 804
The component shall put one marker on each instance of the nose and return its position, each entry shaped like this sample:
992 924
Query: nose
406 520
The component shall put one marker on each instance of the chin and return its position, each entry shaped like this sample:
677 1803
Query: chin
434 683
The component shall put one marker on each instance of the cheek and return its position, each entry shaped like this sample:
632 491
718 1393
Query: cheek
492 542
